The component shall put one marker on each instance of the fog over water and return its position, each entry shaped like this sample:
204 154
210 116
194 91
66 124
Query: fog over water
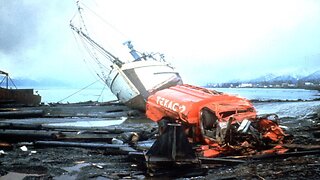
207 41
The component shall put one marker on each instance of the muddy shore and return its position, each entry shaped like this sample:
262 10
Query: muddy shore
24 160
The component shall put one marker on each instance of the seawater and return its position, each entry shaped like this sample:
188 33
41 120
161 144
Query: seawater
272 93
72 95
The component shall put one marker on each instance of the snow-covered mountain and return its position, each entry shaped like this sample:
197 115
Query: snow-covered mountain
265 78
286 78
271 80
314 77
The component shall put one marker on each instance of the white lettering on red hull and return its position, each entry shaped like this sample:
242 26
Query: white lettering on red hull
174 106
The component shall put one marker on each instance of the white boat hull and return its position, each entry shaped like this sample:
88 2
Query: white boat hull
132 82
135 81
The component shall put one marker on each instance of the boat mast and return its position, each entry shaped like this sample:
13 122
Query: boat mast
106 53
95 44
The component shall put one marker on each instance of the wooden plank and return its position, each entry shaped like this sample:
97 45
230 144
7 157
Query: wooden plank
21 114
21 135
205 160
79 144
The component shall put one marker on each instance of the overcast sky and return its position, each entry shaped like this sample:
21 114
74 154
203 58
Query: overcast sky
206 40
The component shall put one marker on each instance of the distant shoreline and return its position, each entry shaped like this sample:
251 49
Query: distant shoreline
286 100
306 88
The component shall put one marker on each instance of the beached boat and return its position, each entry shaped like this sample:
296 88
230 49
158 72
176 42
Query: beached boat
131 81
16 97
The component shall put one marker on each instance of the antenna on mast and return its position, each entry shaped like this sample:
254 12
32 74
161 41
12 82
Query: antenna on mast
133 52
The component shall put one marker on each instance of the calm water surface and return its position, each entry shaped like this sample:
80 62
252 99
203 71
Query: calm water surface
272 94
65 95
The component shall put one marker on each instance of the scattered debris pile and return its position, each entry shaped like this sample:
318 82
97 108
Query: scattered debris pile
197 135
197 124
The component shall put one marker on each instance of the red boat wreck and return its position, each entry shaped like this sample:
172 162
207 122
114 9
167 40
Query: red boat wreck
196 122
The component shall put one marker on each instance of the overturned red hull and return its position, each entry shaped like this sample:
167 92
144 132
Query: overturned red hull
215 123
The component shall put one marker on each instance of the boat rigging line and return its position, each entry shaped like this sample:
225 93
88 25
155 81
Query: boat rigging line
90 41
103 51
94 47
78 91
105 21
104 87
88 65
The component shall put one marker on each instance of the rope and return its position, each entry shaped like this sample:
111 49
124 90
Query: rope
106 22
89 65
93 57
92 48
104 87
79 91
